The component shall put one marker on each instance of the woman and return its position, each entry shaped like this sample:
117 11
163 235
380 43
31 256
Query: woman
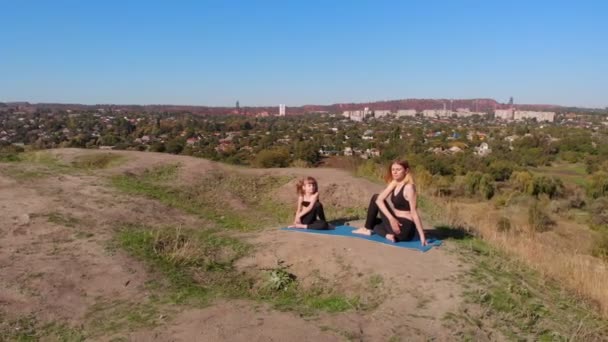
398 220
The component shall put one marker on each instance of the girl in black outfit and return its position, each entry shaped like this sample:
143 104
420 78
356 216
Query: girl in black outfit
310 214
396 207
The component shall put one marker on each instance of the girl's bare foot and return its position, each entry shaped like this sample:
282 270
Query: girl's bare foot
362 231
390 237
300 226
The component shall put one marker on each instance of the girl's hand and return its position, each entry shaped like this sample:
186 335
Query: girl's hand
424 242
395 225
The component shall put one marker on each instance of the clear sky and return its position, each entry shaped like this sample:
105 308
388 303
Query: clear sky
266 52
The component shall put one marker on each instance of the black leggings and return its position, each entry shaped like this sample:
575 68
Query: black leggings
382 226
315 219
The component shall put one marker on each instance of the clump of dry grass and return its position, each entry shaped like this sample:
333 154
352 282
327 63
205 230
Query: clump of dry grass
575 269
96 160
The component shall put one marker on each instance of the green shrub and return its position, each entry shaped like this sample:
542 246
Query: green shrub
10 153
503 225
471 182
538 219
551 186
522 181
600 247
501 169
598 184
279 278
486 186
274 157
371 170
598 211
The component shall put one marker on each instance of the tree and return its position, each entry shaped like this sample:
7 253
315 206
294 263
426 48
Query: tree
275 157
501 170
471 182
175 146
486 186
523 181
307 151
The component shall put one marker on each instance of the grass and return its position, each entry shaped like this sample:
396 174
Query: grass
66 220
518 301
28 166
28 328
107 318
231 200
568 173
34 165
97 161
197 267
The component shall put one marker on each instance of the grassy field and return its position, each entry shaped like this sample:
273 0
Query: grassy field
568 173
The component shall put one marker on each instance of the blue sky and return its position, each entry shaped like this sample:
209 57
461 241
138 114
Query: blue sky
303 52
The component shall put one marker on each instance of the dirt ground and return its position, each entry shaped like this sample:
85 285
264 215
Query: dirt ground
56 265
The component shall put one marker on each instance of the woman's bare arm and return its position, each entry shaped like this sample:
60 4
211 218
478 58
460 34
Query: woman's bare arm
380 202
410 193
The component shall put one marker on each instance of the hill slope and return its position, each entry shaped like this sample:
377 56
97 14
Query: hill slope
145 246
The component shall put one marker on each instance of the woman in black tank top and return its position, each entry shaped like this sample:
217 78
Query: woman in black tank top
400 221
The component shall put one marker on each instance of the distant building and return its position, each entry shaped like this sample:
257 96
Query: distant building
539 116
518 115
483 149
503 114
405 112
357 115
381 113
281 110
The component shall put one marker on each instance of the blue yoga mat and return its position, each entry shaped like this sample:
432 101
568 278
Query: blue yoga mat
348 231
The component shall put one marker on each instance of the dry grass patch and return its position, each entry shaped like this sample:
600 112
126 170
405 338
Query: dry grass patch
575 269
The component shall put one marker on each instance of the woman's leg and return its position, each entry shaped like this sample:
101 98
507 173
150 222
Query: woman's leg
408 230
372 213
372 217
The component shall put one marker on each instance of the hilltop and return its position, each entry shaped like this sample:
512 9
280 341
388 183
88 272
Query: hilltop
144 246
480 104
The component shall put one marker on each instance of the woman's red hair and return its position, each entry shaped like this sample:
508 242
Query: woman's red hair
388 177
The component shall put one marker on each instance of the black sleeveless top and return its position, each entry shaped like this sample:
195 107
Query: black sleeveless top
399 201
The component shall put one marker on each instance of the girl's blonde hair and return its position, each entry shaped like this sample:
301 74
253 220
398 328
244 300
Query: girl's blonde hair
307 180
409 178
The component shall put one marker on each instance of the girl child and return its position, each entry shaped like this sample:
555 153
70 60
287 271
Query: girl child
310 214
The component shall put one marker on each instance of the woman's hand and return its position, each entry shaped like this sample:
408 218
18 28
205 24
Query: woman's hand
424 242
395 225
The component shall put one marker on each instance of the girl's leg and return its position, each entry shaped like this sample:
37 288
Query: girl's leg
318 225
310 220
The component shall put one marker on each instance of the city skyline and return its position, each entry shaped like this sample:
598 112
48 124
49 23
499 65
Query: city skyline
211 54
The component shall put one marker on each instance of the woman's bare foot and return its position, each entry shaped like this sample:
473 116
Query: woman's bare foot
390 237
299 226
362 231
